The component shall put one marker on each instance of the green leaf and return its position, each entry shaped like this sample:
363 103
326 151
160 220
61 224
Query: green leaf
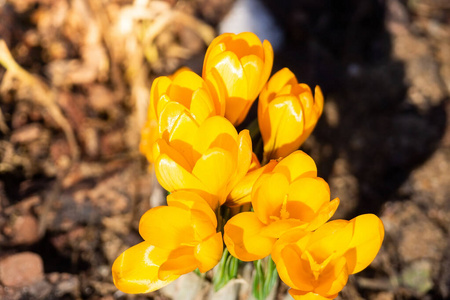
266 276
227 269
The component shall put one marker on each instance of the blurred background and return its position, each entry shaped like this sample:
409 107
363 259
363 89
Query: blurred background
75 77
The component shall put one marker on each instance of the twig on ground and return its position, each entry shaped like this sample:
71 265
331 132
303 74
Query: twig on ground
36 90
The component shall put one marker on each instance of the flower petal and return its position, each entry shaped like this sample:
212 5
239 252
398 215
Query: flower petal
306 196
192 201
214 169
268 195
297 164
209 252
159 87
241 193
286 254
332 237
243 239
332 278
166 227
180 261
202 218
244 159
277 228
173 172
301 295
367 238
136 269
216 132
324 214
287 123
202 105
268 63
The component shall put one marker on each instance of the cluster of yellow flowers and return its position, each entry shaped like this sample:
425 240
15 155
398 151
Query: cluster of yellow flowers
199 157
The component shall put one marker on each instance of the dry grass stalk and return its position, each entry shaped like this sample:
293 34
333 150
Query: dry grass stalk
34 89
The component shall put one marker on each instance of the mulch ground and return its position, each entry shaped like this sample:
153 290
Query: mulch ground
73 184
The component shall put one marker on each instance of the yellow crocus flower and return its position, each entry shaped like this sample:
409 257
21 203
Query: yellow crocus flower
237 66
287 113
209 158
184 90
290 196
241 193
178 239
316 264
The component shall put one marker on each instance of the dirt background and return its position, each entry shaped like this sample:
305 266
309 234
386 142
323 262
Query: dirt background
73 185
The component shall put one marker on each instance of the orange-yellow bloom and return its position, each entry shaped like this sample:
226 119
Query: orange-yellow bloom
178 238
290 196
287 113
241 193
237 67
316 264
184 90
208 158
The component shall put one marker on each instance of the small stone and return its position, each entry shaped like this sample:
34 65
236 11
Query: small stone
417 277
40 290
27 133
25 230
22 269
68 286
53 277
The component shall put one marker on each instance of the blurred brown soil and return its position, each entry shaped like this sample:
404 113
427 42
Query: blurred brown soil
73 185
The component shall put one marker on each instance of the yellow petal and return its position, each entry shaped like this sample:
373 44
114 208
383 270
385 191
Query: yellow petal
324 214
180 261
276 83
149 135
244 159
192 201
217 46
216 87
232 77
214 169
252 66
136 269
184 80
243 240
287 123
268 195
172 172
202 218
241 193
166 227
301 295
333 278
209 252
232 74
318 99
268 63
159 87
332 237
182 134
255 164
367 238
306 196
294 271
286 253
297 164
202 105
216 132
278 228
170 116
246 43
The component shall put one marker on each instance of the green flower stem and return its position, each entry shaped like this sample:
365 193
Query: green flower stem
227 269
266 276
